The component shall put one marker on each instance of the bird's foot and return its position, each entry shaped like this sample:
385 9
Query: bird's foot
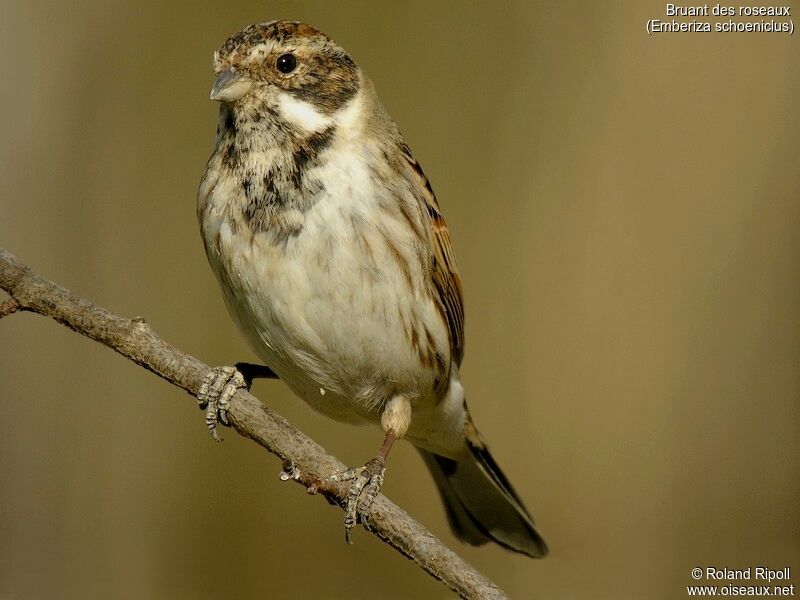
367 482
215 395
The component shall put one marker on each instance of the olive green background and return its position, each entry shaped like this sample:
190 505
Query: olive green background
625 210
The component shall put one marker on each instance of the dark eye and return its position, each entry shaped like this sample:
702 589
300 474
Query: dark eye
286 63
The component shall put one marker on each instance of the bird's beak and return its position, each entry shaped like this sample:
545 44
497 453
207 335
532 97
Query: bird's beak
230 86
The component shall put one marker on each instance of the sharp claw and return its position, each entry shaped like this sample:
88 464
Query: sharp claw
371 492
214 396
202 394
211 421
367 482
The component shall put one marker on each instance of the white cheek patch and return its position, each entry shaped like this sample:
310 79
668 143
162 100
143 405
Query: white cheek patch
301 113
349 117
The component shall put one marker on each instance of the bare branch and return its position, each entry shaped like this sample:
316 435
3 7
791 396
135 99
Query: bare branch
134 339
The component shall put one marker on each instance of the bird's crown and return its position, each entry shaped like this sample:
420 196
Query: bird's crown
286 56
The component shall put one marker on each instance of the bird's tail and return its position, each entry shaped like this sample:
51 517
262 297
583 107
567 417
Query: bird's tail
481 505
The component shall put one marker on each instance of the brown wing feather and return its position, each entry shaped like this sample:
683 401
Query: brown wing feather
446 280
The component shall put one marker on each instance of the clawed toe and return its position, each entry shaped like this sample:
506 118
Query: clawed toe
367 482
215 395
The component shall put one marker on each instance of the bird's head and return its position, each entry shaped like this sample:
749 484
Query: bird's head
288 68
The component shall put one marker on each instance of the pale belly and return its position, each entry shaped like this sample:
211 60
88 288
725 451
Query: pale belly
330 311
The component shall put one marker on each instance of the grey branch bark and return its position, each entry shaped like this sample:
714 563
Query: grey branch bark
135 339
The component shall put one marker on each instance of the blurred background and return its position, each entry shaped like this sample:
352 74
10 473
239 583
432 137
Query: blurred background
625 210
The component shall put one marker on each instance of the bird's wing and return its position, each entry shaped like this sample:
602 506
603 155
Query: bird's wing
446 280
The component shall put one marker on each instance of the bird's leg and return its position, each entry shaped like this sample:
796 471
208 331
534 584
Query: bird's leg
219 386
368 479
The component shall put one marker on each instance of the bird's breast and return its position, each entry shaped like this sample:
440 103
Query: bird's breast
334 296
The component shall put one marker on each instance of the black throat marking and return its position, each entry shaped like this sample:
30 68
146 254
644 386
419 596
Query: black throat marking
271 190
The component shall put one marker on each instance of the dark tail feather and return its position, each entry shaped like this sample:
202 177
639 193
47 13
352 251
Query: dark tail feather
481 505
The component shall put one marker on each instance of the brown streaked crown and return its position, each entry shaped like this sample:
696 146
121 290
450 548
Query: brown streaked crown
325 74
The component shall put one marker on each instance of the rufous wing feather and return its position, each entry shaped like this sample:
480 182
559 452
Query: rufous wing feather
444 272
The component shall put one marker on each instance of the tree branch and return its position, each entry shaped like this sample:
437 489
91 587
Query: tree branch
134 339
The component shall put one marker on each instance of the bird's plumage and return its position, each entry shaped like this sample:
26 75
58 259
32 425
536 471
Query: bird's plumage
444 272
333 256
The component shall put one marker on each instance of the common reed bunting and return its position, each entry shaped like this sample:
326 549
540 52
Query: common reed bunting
336 263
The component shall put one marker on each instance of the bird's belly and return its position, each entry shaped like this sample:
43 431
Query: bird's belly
331 312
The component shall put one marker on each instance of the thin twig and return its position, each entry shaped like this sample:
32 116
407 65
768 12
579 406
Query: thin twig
135 339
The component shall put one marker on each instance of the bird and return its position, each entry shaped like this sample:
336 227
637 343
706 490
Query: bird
336 263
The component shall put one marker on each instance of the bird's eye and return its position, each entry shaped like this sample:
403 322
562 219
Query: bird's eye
286 63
